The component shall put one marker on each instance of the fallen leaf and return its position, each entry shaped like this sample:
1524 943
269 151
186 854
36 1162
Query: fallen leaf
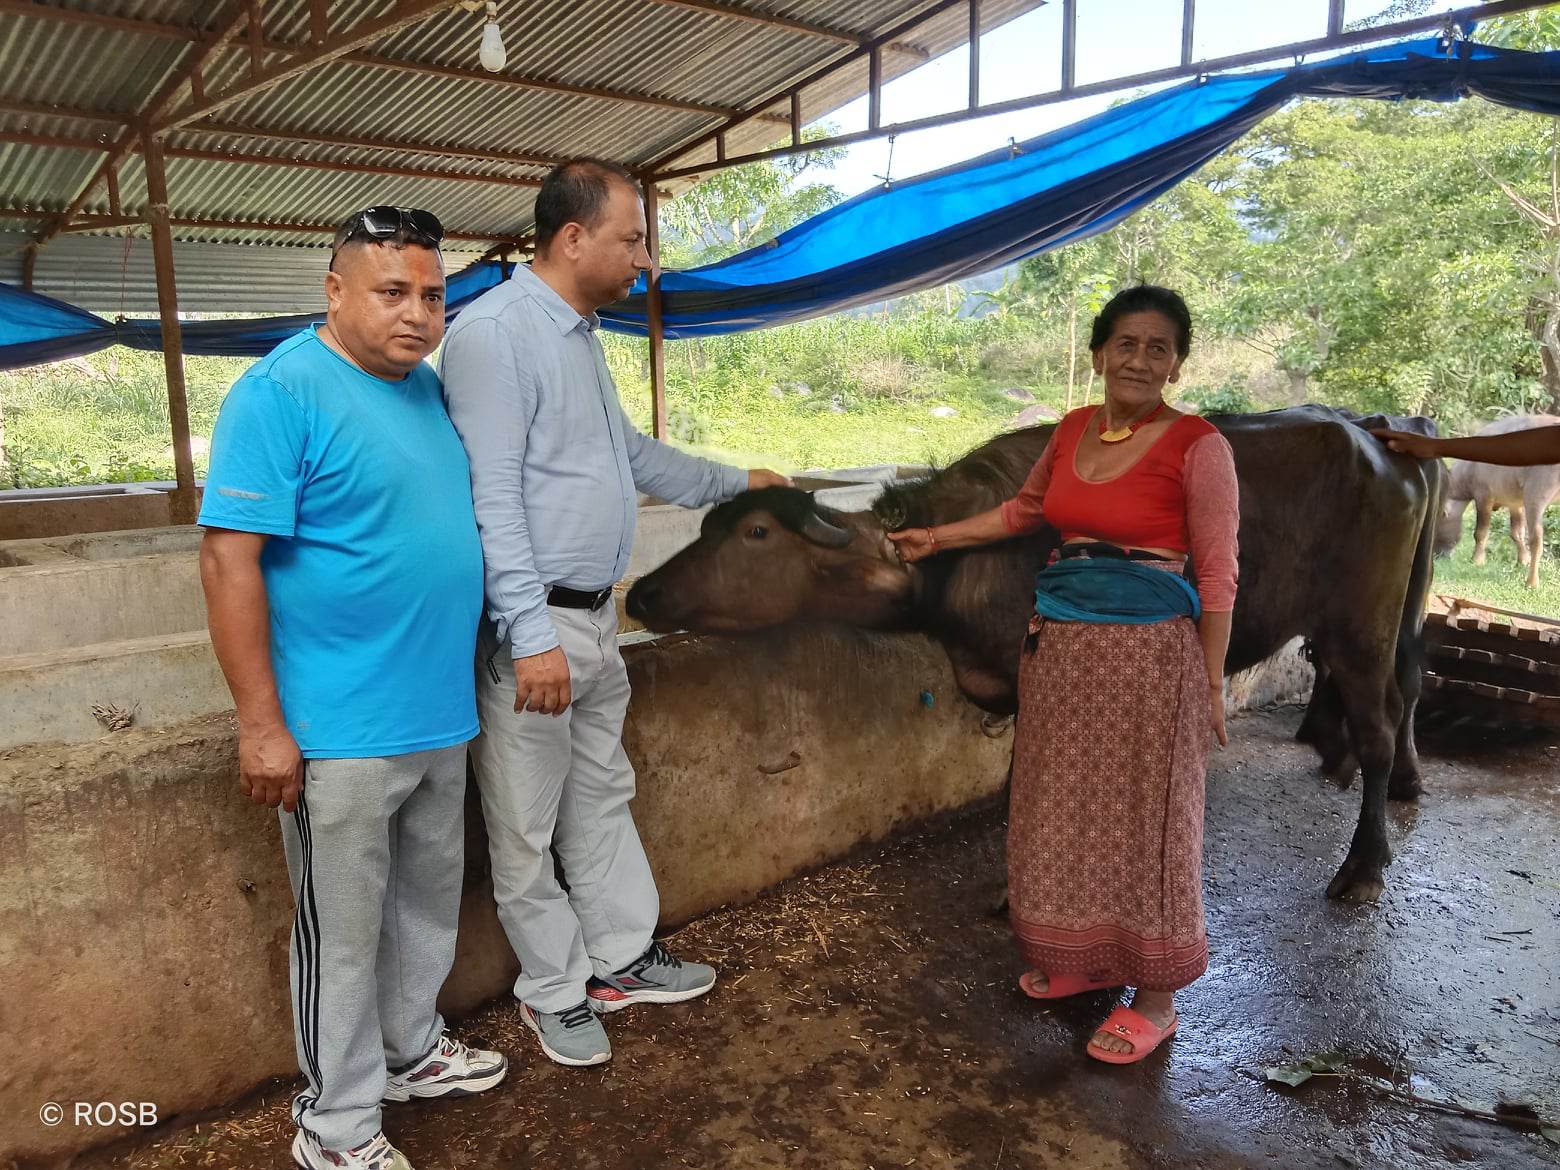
1298 1072
1293 1075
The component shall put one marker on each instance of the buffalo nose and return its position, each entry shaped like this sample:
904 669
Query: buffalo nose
642 597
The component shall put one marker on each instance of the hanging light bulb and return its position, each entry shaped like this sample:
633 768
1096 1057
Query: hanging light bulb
492 53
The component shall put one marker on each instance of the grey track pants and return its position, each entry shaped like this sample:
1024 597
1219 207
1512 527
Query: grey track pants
375 854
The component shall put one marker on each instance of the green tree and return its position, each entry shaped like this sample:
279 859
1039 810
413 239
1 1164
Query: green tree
1536 31
1384 259
1190 239
735 209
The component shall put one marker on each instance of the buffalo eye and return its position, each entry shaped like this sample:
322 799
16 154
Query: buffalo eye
758 532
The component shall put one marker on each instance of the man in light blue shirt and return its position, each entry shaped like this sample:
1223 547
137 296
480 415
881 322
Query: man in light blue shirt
343 580
555 465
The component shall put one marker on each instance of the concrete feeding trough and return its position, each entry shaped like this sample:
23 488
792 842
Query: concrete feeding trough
118 618
27 513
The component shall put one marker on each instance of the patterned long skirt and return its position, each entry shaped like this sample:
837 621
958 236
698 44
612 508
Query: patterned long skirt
1105 826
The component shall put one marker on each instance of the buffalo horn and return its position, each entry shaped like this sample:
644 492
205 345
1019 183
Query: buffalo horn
820 531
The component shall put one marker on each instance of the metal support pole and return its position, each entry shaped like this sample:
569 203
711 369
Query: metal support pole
1334 17
1188 22
256 39
653 311
181 506
875 88
796 117
974 54
1069 44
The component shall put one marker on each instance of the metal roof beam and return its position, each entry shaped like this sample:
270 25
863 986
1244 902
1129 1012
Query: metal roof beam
44 110
174 32
318 25
62 142
155 105
96 223
407 12
193 36
482 154
536 83
267 160
865 50
1478 12
478 153
736 12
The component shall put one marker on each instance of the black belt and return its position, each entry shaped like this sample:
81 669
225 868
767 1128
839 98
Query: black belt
562 595
1102 549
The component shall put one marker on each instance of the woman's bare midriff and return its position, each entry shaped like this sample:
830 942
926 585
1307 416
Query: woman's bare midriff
1167 553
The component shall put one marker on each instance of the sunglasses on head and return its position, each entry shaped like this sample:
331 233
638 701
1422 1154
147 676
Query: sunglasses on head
381 223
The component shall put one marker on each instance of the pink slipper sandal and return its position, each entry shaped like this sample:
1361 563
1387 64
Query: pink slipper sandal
1137 1030
1062 986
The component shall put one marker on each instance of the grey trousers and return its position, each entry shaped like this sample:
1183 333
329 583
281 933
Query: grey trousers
564 782
375 853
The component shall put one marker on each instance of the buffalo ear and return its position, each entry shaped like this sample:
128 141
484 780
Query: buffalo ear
823 532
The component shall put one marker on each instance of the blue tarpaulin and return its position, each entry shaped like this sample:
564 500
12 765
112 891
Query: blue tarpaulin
1054 189
926 231
36 328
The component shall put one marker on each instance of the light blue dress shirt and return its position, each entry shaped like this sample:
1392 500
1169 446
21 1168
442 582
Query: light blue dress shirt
554 460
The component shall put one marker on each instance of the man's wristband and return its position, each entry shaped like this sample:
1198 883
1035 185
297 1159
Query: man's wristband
931 539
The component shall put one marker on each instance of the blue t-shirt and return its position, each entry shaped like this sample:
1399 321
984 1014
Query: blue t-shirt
374 569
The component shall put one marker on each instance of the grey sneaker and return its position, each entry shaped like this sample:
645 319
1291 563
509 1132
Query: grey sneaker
573 1036
451 1069
375 1154
657 976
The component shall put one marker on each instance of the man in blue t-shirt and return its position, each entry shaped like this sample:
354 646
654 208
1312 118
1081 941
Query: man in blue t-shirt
343 579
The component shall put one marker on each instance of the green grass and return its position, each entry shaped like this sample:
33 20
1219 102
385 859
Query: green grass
871 388
1500 580
104 418
751 427
837 392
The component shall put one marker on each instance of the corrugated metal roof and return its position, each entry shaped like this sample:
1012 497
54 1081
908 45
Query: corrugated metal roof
639 47
112 275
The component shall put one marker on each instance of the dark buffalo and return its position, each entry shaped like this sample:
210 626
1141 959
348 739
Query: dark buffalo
1336 538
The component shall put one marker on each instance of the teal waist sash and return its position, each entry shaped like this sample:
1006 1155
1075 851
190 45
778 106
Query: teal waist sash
1106 590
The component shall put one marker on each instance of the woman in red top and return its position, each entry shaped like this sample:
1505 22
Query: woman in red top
1121 680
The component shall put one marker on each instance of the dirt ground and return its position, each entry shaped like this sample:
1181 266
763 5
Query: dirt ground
868 1015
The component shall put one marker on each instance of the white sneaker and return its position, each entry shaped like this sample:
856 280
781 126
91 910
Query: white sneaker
451 1069
375 1154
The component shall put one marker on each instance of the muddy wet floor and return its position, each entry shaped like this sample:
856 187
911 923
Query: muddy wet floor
868 1015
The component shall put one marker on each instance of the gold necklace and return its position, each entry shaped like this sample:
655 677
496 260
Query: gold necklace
1122 434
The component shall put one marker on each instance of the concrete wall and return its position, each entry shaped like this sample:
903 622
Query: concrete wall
119 618
42 513
144 906
25 515
70 602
